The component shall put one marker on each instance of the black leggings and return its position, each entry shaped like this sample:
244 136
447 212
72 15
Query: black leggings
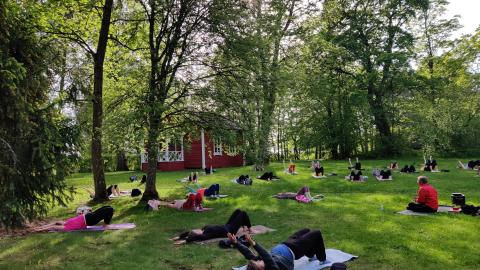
422 208
319 171
307 243
267 176
356 176
104 212
237 219
212 190
385 174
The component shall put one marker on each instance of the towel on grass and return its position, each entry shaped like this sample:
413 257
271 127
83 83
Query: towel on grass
333 256
318 177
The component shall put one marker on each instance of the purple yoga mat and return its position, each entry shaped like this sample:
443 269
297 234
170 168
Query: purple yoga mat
100 228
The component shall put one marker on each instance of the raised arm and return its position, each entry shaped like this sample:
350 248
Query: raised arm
246 252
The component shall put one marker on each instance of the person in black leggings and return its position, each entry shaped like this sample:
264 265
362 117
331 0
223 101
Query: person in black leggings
238 219
304 242
104 213
319 171
268 176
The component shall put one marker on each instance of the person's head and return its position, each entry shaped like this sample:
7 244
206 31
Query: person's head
255 265
422 180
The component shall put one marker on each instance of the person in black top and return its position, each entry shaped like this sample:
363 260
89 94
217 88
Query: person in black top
268 176
238 219
304 242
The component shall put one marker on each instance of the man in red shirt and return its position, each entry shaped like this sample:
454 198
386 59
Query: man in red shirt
427 198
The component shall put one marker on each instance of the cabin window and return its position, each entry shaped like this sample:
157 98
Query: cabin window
217 148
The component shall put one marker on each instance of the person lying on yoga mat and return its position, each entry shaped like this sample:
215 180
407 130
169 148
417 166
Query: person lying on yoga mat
303 195
427 198
393 165
237 220
358 165
408 169
211 191
430 165
356 176
193 202
470 165
112 191
267 176
244 180
304 242
384 175
193 177
81 221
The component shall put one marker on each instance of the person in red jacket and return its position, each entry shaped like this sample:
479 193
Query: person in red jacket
427 198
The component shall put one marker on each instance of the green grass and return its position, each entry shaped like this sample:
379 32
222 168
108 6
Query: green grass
350 218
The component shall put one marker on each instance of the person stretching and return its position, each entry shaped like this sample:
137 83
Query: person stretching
469 166
291 168
81 221
267 176
356 176
393 165
427 198
319 171
358 165
303 195
430 164
192 202
238 219
304 242
384 175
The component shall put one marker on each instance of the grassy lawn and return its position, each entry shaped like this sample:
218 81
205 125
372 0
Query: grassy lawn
350 217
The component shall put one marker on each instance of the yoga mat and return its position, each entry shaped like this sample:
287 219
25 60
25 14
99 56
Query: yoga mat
318 177
333 256
257 229
100 228
219 196
380 179
441 209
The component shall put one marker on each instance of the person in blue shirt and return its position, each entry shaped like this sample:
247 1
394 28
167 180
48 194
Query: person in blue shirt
304 242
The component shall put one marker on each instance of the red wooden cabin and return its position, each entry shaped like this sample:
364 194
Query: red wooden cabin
203 153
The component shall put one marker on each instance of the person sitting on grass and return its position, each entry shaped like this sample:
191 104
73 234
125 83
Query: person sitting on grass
269 176
237 220
408 169
319 171
358 165
384 175
244 180
430 165
291 168
193 202
470 165
356 176
81 221
303 195
112 191
304 242
427 197
393 165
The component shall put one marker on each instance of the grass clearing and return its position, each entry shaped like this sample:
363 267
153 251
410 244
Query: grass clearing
358 218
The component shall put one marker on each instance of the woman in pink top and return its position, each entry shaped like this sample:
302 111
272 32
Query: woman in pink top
81 222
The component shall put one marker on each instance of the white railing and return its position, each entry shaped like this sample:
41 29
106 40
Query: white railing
169 156
164 156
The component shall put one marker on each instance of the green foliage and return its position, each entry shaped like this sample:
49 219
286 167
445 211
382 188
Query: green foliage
37 143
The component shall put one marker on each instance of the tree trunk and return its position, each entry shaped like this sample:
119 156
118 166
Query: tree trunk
122 164
99 57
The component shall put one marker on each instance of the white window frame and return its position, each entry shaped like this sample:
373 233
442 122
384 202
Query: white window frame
217 148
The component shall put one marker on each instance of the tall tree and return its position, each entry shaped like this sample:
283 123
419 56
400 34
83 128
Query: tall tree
173 39
65 25
376 36
37 143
